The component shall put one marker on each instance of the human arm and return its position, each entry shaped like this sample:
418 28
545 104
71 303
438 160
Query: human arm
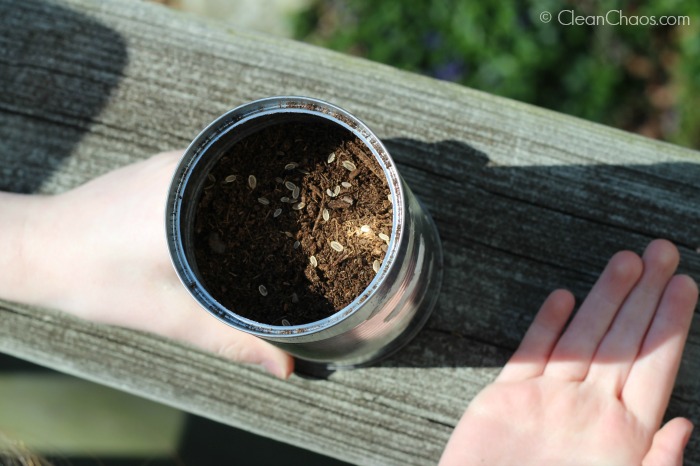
99 252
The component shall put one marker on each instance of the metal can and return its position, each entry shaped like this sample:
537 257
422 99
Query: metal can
378 322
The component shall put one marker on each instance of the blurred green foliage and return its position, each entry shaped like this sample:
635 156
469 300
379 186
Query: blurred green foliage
640 78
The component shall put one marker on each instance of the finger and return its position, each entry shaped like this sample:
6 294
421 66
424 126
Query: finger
209 334
532 355
572 355
620 346
648 387
668 444
248 349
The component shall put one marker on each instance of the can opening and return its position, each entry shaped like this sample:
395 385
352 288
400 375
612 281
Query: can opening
287 217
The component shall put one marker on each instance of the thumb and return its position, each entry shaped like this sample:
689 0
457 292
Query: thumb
248 349
208 334
668 444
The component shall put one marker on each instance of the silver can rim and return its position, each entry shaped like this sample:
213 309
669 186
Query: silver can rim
198 149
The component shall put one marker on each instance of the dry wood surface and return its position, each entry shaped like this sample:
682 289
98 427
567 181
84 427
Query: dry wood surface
526 200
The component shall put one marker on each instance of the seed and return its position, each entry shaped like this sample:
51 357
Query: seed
277 213
388 196
331 157
262 290
383 237
284 199
313 261
330 193
252 181
303 171
230 179
286 323
298 206
289 185
295 298
288 234
326 215
337 246
336 191
291 166
375 266
279 152
349 165
297 244
211 177
279 180
345 184
295 193
347 199
215 243
365 229
263 201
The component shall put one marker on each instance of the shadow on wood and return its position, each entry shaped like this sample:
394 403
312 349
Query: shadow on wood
562 223
61 72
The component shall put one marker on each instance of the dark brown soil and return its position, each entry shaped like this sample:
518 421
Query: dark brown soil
269 256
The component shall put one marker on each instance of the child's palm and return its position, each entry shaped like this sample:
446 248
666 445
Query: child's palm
596 393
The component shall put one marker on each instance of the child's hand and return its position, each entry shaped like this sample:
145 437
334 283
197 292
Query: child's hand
99 252
596 393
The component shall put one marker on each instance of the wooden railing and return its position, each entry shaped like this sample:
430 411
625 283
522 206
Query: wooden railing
525 199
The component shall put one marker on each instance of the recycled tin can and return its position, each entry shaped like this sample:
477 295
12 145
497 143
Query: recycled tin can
391 309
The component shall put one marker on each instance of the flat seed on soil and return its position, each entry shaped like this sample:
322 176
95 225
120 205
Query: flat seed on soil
263 201
326 215
331 157
349 165
262 290
279 180
347 200
298 206
216 244
284 199
289 185
313 261
330 193
345 184
365 229
230 179
286 323
295 193
291 166
277 213
375 266
337 246
252 181
296 244
384 237
336 191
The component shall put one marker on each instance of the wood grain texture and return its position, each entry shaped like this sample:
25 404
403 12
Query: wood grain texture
526 200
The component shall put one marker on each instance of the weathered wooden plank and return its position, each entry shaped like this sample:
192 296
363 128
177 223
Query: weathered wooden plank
526 200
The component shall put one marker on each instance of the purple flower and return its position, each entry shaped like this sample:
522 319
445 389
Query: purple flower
451 71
